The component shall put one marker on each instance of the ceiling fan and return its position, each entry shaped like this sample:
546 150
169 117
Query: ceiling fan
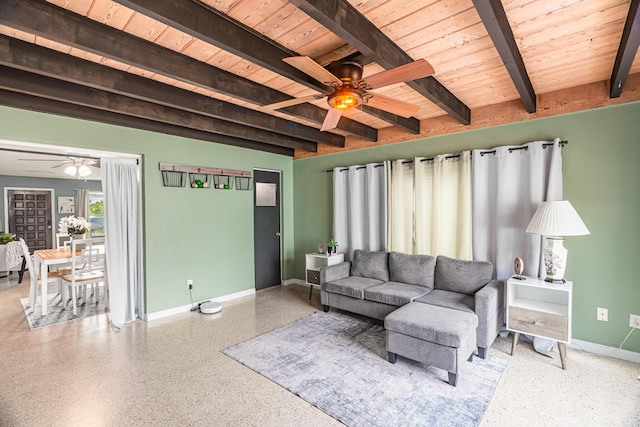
351 90
76 166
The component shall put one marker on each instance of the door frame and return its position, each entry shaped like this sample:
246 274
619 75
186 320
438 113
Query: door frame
52 191
280 213
69 151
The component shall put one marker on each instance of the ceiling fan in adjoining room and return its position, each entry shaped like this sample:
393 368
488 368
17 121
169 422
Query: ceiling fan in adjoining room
75 166
350 90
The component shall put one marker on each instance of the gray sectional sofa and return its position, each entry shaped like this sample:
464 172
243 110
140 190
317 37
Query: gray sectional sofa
375 284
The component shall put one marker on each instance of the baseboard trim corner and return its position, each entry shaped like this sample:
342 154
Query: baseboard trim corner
604 350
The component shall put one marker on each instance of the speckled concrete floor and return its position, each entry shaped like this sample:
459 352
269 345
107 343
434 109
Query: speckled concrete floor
170 372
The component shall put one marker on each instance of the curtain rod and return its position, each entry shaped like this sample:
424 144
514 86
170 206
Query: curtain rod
455 156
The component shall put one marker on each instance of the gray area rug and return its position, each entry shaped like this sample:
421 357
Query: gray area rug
57 312
338 363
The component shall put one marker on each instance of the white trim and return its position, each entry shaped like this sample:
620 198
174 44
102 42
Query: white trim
182 309
604 350
294 282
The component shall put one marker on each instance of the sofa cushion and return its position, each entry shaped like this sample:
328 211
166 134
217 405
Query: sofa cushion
394 293
455 300
374 265
352 286
462 276
412 269
431 323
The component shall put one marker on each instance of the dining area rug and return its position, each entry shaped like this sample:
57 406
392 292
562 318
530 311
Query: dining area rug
59 312
338 363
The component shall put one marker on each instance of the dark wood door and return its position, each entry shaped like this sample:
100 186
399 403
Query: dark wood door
30 217
266 226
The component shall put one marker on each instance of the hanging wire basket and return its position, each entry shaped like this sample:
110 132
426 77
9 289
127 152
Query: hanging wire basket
244 183
222 182
199 180
173 178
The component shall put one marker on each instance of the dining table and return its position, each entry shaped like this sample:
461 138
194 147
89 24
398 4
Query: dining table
43 259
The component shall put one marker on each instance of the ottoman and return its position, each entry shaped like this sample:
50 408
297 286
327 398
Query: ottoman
436 336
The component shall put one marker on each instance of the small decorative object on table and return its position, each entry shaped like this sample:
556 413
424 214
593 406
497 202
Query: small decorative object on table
6 238
518 267
73 226
321 248
332 246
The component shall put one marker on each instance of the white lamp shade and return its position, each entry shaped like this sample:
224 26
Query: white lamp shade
70 170
557 219
84 171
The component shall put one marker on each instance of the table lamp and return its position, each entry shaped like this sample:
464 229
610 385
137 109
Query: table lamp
554 220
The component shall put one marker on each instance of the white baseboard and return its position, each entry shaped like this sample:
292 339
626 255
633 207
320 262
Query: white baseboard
293 282
604 350
182 309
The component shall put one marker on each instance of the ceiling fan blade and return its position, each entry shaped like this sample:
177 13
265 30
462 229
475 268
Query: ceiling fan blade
332 119
312 68
289 102
392 105
404 73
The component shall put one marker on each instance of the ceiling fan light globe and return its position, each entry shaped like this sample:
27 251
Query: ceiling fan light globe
70 170
84 171
344 98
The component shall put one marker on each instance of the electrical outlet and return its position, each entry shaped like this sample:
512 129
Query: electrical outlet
603 314
634 321
190 284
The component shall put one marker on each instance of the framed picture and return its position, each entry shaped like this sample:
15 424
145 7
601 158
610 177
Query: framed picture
66 205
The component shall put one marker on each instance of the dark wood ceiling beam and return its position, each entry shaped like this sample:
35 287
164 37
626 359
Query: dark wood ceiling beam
495 20
410 124
60 25
50 106
343 19
629 44
47 87
29 57
206 23
232 36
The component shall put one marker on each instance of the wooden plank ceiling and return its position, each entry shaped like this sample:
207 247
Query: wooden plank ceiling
202 69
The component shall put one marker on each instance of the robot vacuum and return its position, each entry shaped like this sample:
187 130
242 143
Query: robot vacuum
210 307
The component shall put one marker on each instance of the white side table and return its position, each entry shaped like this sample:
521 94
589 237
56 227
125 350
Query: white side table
314 261
541 309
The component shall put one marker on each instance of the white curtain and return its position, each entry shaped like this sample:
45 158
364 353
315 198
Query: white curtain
360 208
443 206
401 203
82 195
508 185
430 206
122 204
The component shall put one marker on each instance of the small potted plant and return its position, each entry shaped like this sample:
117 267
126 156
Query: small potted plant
6 238
332 246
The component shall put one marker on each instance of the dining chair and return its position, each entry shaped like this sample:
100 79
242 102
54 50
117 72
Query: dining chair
35 278
87 268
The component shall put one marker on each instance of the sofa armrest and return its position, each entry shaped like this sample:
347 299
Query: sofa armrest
490 310
489 299
335 272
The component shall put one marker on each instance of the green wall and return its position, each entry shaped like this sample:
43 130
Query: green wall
204 235
601 176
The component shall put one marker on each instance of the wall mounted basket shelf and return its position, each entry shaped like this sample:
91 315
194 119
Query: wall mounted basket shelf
200 177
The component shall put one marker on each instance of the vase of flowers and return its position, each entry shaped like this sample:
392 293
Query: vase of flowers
73 226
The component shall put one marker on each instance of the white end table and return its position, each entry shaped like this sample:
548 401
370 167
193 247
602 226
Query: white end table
541 309
315 261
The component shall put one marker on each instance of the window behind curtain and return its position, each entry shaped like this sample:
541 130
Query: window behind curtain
96 214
